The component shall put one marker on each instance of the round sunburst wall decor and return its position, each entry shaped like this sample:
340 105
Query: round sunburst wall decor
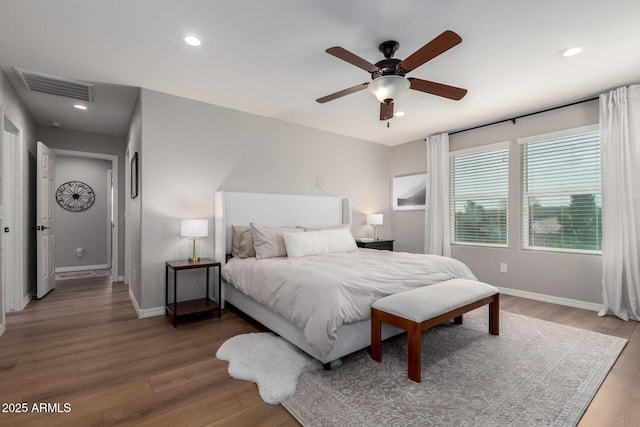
75 196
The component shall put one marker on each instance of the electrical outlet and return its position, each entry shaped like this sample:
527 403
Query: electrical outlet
503 267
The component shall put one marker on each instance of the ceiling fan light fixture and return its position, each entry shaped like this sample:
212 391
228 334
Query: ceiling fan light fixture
388 88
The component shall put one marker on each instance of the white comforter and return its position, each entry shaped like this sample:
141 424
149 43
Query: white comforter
320 293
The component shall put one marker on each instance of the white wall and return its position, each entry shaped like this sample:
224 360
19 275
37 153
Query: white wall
563 275
94 143
13 111
86 229
190 150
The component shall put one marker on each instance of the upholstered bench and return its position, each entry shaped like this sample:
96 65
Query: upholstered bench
420 309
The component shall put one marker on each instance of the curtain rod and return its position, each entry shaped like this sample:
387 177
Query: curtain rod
513 119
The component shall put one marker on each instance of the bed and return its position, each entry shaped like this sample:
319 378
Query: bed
346 335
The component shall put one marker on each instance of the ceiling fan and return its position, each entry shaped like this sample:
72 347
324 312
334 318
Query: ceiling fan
388 79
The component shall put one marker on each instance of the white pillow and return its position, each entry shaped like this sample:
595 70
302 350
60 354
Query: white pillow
304 244
340 240
318 242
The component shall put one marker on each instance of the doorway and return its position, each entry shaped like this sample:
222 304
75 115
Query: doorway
108 187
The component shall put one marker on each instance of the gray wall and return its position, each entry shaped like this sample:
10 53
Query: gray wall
93 143
190 150
14 111
561 275
86 229
133 243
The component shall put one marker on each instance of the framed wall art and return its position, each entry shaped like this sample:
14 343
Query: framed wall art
409 192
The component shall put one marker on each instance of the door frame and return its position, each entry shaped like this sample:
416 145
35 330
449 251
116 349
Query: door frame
114 168
9 219
15 297
3 224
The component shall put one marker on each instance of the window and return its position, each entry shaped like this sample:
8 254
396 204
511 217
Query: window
478 193
562 196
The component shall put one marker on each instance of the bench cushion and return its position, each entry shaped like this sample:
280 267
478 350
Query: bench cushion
430 301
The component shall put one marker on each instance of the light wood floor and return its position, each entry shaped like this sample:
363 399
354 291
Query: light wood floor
84 345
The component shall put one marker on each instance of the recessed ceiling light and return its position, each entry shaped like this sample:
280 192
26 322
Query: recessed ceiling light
191 40
79 107
572 51
399 113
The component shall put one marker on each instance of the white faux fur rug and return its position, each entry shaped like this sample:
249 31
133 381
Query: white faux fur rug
267 360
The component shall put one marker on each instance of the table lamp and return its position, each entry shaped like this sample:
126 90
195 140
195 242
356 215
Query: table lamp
375 220
194 229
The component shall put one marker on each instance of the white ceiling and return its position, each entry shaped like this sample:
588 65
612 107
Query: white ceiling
267 57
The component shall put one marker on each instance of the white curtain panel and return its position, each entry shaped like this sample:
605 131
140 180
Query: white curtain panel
620 150
436 214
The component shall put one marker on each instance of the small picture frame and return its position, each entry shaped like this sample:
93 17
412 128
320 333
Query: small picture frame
134 175
410 192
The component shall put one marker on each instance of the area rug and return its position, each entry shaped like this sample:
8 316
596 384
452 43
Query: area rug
84 277
83 274
536 373
267 360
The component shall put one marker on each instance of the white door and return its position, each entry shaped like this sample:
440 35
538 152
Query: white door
45 224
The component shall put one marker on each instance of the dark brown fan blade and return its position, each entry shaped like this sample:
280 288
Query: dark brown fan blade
341 93
435 47
352 58
439 89
386 111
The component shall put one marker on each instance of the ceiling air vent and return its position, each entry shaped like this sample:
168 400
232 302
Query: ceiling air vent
39 82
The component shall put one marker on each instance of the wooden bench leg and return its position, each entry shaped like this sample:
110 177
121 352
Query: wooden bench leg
413 337
494 316
458 320
376 336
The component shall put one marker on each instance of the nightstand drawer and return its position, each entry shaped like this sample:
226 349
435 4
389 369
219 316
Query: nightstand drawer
383 245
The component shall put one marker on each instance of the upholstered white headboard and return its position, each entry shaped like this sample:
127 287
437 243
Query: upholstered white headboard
273 210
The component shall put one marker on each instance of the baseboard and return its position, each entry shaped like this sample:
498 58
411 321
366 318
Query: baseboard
81 268
26 300
120 279
147 312
152 312
585 305
135 303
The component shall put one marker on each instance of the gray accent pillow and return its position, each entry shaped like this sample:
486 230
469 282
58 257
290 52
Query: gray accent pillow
268 241
241 241
246 245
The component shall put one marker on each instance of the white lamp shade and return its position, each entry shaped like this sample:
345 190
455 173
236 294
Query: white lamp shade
389 87
194 228
374 219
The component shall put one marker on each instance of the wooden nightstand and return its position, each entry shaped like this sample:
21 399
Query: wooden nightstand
383 245
195 306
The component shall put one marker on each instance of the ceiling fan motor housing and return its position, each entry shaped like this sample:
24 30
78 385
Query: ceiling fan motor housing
388 67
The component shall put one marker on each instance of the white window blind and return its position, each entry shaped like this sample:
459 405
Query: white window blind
562 196
478 194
